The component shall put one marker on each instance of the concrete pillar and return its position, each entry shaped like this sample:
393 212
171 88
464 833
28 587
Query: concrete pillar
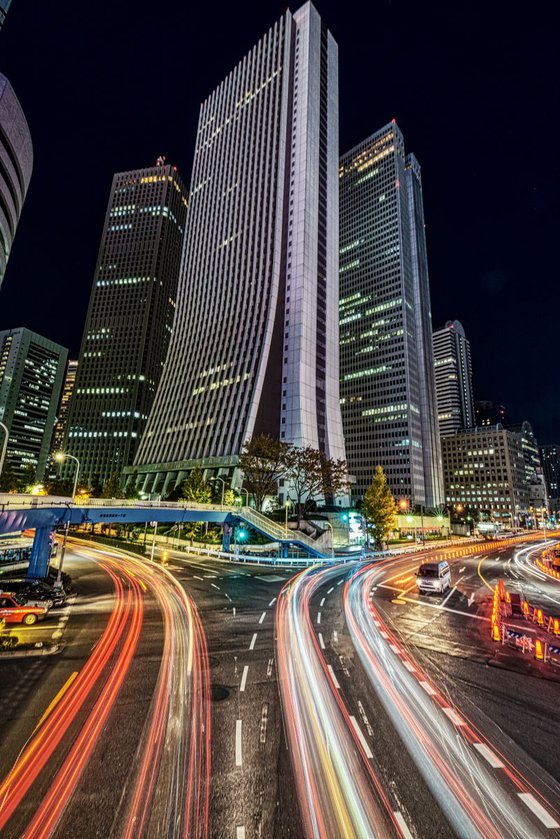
40 554
226 538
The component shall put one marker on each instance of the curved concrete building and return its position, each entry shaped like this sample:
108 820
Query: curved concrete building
16 164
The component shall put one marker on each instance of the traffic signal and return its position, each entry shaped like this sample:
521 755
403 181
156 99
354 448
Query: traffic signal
242 534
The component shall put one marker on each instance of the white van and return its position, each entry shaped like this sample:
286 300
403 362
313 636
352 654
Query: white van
433 576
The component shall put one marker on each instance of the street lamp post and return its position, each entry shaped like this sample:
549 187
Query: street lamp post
246 491
4 445
217 478
60 457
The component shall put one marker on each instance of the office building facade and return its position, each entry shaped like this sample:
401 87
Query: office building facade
16 164
129 319
484 469
550 459
453 377
486 413
64 407
31 377
387 373
255 343
534 475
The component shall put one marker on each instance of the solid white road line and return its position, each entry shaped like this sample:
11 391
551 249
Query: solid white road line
333 677
403 825
238 755
321 642
262 617
252 644
361 738
428 688
453 716
244 678
489 755
539 811
445 599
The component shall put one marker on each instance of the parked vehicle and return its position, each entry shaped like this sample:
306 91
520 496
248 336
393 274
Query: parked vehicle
36 590
13 609
433 576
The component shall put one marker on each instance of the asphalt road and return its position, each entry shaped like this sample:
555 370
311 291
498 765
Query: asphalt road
163 718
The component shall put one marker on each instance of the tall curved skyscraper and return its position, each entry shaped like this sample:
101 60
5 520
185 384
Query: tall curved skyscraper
255 339
16 164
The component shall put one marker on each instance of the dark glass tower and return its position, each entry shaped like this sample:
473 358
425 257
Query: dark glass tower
31 377
386 363
129 320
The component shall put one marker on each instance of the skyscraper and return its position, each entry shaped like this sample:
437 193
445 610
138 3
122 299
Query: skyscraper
255 342
550 459
129 319
63 408
4 6
453 373
31 375
387 377
16 163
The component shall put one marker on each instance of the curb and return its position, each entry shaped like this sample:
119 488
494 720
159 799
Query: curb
51 650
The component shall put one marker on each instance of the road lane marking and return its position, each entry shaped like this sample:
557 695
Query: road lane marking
409 667
322 603
244 678
321 642
238 755
330 590
539 811
445 609
272 602
240 833
253 639
364 743
461 569
318 617
470 601
215 586
57 699
428 688
403 825
340 582
384 634
480 574
489 755
335 680
262 617
395 649
453 716
198 578
445 599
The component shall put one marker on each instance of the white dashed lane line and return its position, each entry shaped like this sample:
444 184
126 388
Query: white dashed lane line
238 753
536 807
318 617
489 755
361 738
321 642
262 617
244 678
333 677
253 640
453 716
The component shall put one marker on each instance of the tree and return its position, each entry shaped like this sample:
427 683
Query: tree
311 474
131 490
380 508
196 488
27 479
8 478
112 487
96 487
262 462
61 487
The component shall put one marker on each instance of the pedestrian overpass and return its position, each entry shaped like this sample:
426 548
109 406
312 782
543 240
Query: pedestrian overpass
44 514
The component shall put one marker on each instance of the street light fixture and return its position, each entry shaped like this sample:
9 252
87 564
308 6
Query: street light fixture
287 505
4 445
246 491
60 457
332 538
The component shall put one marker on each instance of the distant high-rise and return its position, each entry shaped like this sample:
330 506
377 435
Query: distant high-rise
453 373
550 459
62 414
486 413
255 342
129 320
387 375
4 6
16 164
31 376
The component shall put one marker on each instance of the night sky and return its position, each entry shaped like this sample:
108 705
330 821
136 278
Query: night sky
474 87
